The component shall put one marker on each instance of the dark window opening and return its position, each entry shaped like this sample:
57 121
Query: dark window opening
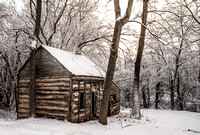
82 101
113 99
93 104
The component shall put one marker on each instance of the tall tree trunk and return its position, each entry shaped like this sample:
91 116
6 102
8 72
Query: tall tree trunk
157 95
33 59
110 73
179 100
172 93
144 98
136 95
113 57
148 98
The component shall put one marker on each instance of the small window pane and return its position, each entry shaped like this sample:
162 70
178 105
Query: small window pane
82 100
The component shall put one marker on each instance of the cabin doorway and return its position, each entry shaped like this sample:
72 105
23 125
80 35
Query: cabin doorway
93 104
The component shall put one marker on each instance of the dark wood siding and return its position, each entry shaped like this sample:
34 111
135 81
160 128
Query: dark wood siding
46 65
52 97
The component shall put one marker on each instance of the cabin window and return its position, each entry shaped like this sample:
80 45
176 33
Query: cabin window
113 98
82 101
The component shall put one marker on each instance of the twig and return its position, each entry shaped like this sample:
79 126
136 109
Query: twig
193 131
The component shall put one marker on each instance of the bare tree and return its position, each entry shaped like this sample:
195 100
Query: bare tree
120 21
136 94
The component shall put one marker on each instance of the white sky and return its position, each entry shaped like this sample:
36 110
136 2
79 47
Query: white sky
19 3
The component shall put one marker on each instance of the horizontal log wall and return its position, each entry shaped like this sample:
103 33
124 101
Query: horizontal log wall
53 97
23 98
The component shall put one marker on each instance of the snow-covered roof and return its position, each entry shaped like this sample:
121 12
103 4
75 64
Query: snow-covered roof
77 64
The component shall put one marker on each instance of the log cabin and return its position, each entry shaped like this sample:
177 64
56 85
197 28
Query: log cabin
69 87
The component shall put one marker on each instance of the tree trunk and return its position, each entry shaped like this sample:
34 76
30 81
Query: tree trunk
33 60
172 94
179 100
110 73
113 57
157 95
144 98
148 98
136 95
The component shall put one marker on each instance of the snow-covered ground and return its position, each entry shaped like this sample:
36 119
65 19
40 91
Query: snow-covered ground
153 122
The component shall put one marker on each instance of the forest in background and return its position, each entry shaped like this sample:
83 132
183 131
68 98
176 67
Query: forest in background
170 66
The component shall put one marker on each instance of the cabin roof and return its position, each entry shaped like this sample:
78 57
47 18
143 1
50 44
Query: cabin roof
76 64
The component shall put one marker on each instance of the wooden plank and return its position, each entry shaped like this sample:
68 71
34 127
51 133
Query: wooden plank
51 113
23 96
63 104
24 89
52 108
51 84
24 101
52 92
23 110
23 92
24 81
52 79
24 106
51 88
50 97
52 101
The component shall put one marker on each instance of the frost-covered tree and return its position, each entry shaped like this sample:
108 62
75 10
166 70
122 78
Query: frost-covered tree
175 48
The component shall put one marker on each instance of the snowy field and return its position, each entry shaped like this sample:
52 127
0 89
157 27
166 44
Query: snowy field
153 122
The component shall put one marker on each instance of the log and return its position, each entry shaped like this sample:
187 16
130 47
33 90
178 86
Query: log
57 104
48 92
24 81
23 106
52 108
24 89
26 101
52 79
52 88
23 110
50 97
51 84
23 96
51 113
52 101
